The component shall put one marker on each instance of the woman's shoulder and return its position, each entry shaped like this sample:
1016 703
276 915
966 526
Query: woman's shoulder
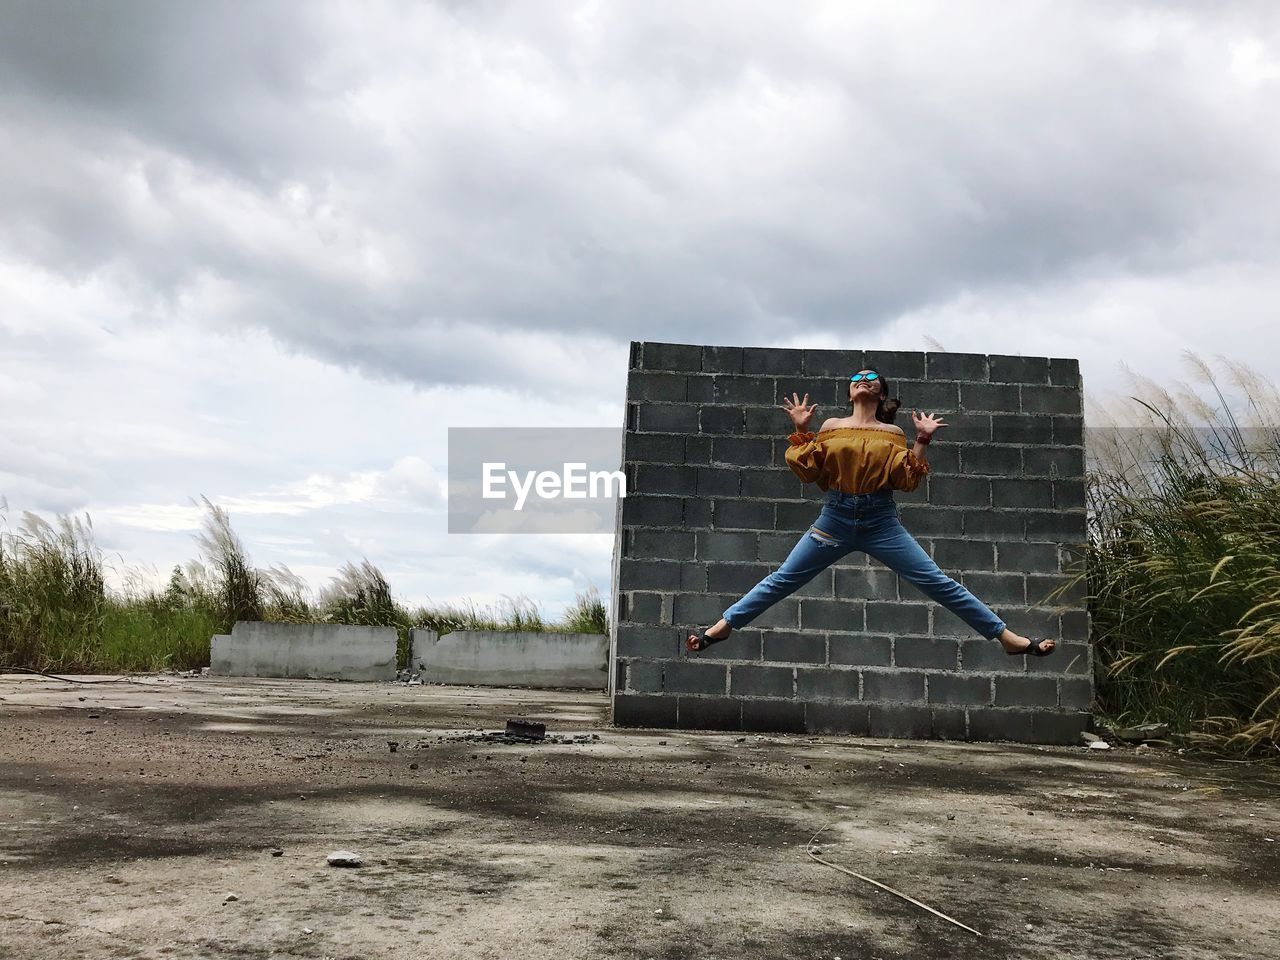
834 423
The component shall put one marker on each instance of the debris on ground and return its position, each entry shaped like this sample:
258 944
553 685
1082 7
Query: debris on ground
1088 738
344 858
230 898
1143 731
526 729
1099 745
506 736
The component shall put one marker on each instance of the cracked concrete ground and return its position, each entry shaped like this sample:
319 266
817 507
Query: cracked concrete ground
129 811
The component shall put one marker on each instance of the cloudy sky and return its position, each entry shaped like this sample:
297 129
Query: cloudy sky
269 252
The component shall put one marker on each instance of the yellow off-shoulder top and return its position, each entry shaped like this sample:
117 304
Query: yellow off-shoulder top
855 460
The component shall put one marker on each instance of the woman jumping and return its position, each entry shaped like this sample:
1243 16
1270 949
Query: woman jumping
859 460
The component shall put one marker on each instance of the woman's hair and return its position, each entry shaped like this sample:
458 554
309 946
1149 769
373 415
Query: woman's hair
886 407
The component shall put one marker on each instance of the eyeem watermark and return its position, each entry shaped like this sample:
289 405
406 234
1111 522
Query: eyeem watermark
571 483
535 479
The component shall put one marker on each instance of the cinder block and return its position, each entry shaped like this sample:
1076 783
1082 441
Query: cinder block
894 618
925 653
694 676
932 521
657 544
709 713
746 452
1069 495
1075 693
654 385
1049 399
988 723
960 491
966 427
639 509
1053 589
700 608
955 366
670 356
989 397
644 676
642 710
865 583
648 575
665 478
930 396
667 418
789 646
753 680
781 716
1068 431
838 718
959 688
769 483
992 588
1022 557
718 420
741 577
772 360
1055 461
654 447
1064 371
1009 369
693 577
896 720
987 656
1022 428
725 545
741 390
963 554
771 422
894 364
775 547
717 482
697 449
1063 727
993 524
1022 492
717 359
701 388
899 685
1072 659
697 512
826 683
834 363
796 517
948 723
730 514
1026 691
846 615
647 607
988 460
636 640
1056 525
859 649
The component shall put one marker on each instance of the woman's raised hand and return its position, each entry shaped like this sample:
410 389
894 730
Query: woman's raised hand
800 411
926 423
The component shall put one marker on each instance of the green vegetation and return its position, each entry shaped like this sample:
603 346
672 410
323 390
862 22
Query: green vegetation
57 615
1183 563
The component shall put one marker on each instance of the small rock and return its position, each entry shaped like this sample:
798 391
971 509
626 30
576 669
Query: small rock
344 858
1099 745
1029 928
276 852
413 766
951 816
230 898
1087 738
393 745
306 930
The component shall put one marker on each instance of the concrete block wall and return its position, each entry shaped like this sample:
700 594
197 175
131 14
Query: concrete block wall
499 658
712 508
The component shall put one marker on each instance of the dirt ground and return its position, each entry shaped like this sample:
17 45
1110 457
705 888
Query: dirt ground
130 811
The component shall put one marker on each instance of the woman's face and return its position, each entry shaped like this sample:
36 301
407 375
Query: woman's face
864 387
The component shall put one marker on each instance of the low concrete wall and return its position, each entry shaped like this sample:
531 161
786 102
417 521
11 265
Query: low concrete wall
313 651
496 658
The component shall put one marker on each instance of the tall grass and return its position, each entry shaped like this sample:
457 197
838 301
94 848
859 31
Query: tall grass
1183 560
56 613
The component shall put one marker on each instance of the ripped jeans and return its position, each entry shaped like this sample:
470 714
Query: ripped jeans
868 522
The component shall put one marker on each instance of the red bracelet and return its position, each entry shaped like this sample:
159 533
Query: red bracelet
921 438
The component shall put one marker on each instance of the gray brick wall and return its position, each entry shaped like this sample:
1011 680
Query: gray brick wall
712 508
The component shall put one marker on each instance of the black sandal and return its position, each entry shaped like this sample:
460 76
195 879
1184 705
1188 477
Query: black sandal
1033 650
701 642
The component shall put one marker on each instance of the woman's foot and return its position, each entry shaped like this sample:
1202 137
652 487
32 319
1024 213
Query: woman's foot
1016 643
696 642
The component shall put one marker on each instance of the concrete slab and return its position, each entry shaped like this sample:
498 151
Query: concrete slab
311 651
128 812
497 658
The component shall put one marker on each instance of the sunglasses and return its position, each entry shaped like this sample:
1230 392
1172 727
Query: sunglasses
864 376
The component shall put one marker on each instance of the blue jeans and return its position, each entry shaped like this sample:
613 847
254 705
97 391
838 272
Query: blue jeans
867 522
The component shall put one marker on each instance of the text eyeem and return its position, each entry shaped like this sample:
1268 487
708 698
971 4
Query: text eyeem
549 485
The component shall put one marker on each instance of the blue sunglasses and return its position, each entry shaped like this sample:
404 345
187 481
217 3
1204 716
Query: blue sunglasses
864 376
